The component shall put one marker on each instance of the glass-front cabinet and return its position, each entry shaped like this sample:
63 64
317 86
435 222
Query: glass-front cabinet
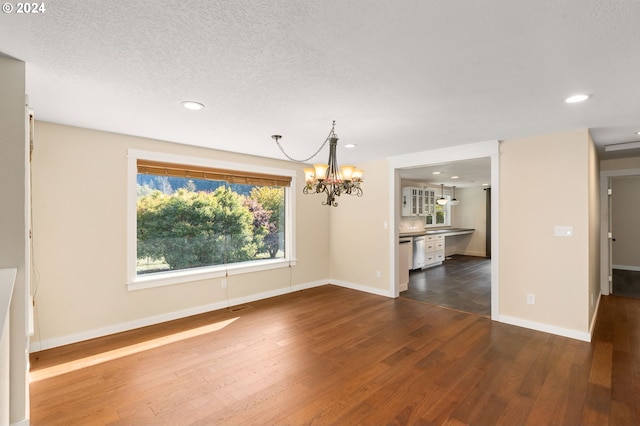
422 202
413 201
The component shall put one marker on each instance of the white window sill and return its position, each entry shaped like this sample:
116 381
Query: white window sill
160 279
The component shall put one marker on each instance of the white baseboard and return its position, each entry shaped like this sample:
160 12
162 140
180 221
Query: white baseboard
363 288
626 267
552 329
157 319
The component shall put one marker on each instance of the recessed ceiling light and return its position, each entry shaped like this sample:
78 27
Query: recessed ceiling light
435 173
455 177
485 184
577 98
194 106
638 132
350 145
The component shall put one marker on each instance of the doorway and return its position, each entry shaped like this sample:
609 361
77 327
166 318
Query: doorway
625 242
488 150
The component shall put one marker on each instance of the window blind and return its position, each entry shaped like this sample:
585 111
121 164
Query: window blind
149 167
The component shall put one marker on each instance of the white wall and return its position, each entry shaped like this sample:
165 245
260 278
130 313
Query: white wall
470 213
79 216
12 222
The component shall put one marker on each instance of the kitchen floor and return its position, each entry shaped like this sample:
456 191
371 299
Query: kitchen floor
626 283
461 282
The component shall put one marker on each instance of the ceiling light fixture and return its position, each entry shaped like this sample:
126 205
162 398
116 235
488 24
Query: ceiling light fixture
577 98
622 146
435 173
454 177
328 178
192 105
442 201
350 145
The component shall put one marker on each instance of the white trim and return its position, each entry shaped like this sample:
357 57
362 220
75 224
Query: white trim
626 267
160 279
594 318
139 282
546 328
170 316
362 288
439 156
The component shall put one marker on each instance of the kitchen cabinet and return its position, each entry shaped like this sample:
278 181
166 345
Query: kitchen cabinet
429 196
434 246
413 201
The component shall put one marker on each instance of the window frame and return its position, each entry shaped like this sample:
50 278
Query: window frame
447 214
137 282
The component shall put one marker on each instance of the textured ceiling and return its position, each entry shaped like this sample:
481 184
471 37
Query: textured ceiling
397 76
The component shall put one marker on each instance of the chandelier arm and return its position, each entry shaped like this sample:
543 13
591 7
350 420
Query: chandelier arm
331 133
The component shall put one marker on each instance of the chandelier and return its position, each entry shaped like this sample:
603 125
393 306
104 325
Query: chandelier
329 179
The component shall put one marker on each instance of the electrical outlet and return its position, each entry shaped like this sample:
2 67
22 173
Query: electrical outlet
531 299
223 283
378 274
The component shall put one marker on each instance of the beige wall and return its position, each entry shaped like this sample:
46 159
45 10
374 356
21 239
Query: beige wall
80 235
80 240
620 164
547 181
12 222
626 222
594 230
359 243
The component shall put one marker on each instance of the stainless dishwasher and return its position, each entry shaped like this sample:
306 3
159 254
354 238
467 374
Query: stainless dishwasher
418 252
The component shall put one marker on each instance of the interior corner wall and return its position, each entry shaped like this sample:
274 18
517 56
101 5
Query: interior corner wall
544 183
594 230
359 229
13 224
80 239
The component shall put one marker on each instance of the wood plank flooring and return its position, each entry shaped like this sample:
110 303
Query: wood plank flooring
461 282
335 356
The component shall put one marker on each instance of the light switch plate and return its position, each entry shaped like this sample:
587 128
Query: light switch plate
563 231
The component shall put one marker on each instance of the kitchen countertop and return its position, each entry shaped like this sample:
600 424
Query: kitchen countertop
447 232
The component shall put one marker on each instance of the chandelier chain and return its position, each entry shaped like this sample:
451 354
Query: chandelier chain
331 133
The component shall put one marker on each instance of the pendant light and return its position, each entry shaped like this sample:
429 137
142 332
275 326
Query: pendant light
442 201
453 201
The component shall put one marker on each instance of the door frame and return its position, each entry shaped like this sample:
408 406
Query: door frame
605 220
439 156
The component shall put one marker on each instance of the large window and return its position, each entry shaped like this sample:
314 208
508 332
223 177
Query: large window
194 217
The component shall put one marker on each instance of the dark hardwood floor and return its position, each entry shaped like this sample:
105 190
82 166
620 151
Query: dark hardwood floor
335 356
626 283
461 282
